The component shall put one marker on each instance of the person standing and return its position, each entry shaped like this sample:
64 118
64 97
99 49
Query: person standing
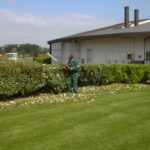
72 67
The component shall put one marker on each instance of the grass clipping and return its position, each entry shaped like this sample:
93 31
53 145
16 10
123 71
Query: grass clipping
86 94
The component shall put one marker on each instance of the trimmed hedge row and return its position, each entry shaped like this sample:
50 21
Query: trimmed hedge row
101 74
24 78
43 59
20 78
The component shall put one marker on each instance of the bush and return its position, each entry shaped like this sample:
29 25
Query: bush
55 78
43 59
113 73
20 78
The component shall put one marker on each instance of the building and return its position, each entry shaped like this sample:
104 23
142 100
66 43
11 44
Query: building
123 43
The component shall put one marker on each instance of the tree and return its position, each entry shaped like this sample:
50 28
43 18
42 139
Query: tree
10 47
28 49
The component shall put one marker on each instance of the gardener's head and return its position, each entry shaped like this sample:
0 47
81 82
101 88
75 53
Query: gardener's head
70 57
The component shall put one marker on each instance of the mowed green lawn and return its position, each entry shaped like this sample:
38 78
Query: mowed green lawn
119 122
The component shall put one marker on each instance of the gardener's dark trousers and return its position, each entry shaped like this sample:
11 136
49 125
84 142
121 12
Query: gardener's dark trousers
72 83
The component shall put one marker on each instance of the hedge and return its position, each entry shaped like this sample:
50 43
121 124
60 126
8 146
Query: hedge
101 74
43 59
20 78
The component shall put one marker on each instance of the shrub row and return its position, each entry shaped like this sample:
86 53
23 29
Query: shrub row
24 78
43 59
94 74
20 78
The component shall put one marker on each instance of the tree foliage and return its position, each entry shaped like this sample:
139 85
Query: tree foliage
30 49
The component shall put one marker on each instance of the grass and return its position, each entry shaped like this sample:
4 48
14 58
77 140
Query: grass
117 122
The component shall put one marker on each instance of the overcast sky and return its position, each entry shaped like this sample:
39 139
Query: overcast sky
37 21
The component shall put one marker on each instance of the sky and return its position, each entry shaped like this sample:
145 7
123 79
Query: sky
37 21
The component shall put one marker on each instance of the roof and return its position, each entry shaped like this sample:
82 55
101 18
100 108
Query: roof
117 30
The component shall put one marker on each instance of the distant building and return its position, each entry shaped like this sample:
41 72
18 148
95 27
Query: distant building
123 43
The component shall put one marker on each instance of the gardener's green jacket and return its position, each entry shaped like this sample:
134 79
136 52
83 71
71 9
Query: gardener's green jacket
75 67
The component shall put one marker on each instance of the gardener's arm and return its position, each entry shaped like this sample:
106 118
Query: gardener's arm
76 66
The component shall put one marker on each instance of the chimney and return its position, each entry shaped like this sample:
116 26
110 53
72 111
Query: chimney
136 17
126 17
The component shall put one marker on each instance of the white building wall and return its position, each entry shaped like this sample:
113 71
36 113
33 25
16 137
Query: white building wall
71 48
102 51
57 52
85 45
139 49
113 50
61 51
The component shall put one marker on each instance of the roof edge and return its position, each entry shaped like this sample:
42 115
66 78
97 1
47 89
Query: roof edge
77 36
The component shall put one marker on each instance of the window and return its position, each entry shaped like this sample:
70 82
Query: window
123 61
109 61
116 61
89 55
148 55
82 60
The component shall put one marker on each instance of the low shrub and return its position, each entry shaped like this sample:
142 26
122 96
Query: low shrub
20 78
55 78
43 59
101 74
23 78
